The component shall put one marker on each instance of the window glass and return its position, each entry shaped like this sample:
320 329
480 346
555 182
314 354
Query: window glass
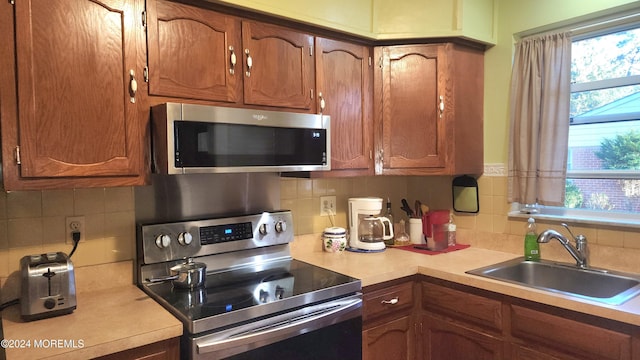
603 168
612 104
607 56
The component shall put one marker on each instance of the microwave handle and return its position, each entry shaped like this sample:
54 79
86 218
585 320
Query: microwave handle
258 334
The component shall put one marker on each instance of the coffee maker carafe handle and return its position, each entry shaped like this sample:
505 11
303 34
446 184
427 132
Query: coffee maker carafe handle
388 228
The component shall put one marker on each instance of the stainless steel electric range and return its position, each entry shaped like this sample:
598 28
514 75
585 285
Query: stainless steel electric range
256 301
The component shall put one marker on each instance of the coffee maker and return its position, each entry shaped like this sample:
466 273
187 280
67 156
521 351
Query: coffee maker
366 229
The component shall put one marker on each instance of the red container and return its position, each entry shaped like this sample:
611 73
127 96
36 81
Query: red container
431 218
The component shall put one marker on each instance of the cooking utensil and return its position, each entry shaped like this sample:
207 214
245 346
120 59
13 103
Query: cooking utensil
406 208
424 208
418 206
188 275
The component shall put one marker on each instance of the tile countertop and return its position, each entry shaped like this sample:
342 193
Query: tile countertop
112 315
373 268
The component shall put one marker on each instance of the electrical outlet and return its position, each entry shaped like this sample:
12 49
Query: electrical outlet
74 223
327 205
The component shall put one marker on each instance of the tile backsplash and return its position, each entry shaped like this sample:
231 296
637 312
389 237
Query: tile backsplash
34 221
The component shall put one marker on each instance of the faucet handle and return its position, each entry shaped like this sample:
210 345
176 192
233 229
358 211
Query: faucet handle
581 240
570 232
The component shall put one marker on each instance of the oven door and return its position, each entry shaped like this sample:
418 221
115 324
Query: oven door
330 330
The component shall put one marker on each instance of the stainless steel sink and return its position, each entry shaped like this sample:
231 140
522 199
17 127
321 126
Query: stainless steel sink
613 288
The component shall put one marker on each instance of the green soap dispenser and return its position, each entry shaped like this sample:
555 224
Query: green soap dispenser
531 246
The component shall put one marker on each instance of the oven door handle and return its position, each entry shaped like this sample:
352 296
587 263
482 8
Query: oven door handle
280 327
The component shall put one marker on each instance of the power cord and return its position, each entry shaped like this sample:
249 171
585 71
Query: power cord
9 303
75 236
331 214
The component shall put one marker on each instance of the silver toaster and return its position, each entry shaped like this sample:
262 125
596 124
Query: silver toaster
48 286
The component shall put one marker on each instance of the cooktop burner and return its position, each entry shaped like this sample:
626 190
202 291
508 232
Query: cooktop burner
250 292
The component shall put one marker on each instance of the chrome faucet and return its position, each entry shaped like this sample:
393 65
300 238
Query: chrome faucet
580 252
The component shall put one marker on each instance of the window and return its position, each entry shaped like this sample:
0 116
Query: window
603 167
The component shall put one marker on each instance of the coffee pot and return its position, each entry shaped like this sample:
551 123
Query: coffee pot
366 228
372 229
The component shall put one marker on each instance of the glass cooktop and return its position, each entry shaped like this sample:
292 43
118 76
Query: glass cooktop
240 295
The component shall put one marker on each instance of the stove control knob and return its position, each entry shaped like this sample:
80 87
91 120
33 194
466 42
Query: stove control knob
262 229
281 226
264 296
163 241
185 238
279 292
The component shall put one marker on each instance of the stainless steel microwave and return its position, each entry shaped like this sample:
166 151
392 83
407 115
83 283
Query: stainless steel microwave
188 138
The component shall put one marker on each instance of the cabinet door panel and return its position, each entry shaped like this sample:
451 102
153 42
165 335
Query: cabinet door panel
584 341
413 80
391 340
190 52
73 63
344 84
444 340
282 67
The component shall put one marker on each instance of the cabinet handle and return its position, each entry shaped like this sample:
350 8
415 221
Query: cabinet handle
249 63
133 86
441 106
322 102
390 302
232 60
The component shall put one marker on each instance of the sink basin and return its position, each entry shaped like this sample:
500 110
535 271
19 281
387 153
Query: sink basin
613 288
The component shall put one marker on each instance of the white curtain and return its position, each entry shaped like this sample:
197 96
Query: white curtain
539 132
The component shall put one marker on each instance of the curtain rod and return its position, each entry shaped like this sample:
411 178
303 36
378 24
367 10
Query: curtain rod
592 26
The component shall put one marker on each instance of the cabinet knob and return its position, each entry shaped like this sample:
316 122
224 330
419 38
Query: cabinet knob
232 61
249 62
133 86
441 106
390 302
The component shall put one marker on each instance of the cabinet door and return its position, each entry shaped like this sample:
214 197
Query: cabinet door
391 340
411 89
344 89
445 339
76 65
193 52
279 67
161 350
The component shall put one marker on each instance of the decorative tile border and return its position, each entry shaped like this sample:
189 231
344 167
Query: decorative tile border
495 170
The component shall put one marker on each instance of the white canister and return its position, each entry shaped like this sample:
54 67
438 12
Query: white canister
415 231
334 239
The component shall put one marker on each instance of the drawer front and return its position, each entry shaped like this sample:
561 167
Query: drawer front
387 301
468 307
578 339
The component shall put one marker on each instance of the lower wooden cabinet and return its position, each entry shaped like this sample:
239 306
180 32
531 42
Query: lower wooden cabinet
421 317
461 322
162 350
567 338
390 340
443 339
389 321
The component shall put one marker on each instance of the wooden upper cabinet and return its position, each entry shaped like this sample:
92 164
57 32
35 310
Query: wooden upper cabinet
412 82
78 110
344 86
194 53
278 66
429 101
